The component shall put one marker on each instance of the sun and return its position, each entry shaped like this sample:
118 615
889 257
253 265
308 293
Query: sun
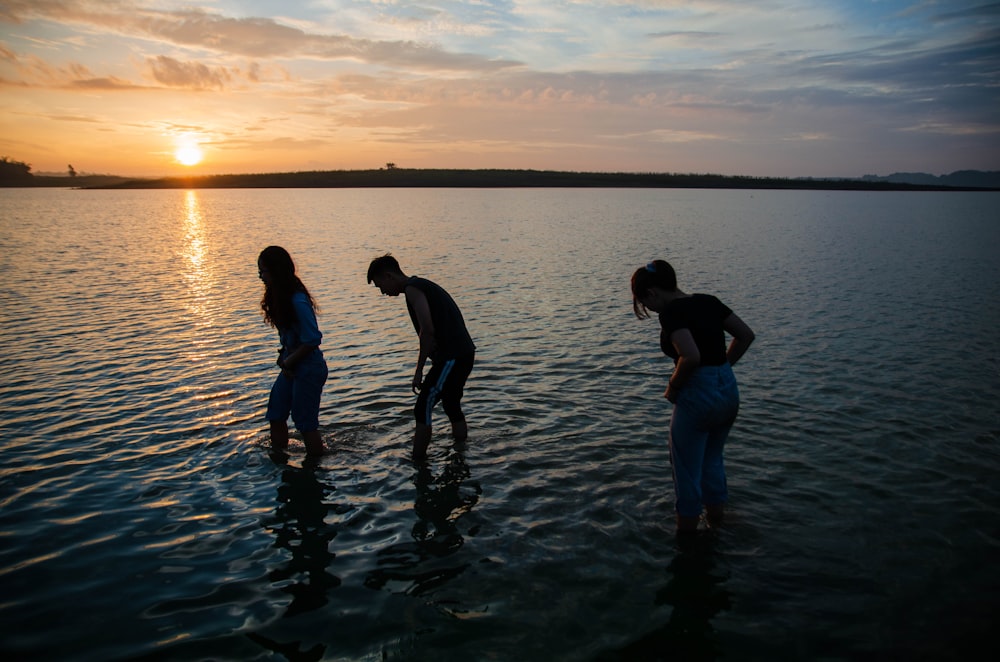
189 154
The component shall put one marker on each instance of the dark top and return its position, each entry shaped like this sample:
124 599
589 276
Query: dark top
702 315
451 338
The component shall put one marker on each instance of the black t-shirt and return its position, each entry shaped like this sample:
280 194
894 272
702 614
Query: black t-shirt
702 315
451 338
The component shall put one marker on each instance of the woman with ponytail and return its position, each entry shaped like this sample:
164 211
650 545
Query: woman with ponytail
702 387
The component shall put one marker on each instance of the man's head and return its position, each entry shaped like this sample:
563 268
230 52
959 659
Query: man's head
385 273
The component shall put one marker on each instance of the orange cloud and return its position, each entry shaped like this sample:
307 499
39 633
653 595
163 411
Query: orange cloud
191 75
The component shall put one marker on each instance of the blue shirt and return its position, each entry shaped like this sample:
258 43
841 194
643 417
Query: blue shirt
305 331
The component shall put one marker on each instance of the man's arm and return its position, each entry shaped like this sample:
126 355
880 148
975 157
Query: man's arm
425 324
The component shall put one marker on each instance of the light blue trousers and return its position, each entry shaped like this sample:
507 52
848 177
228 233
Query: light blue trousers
703 415
300 395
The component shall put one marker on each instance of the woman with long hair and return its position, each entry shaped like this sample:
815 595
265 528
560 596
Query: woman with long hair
702 387
288 307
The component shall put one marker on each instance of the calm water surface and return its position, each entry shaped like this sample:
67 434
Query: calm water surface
142 516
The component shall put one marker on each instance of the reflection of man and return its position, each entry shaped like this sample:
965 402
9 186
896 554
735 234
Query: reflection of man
301 529
444 339
439 504
441 501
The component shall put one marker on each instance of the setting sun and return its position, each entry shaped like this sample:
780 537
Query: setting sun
189 154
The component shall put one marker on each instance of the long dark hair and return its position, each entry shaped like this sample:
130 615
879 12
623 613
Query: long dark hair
276 304
657 273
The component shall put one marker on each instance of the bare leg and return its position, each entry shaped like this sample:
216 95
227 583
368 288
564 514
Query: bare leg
460 429
687 524
715 513
279 436
314 443
421 440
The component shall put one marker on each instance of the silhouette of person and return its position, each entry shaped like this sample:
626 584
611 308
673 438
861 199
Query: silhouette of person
444 339
288 307
702 387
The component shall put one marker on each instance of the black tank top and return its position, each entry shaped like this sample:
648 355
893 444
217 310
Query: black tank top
451 338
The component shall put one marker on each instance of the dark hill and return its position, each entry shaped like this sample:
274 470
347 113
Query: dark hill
959 178
421 178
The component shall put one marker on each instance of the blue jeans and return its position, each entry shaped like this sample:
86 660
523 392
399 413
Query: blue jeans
299 396
703 415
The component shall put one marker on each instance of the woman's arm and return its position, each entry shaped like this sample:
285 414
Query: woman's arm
688 360
289 362
742 335
422 310
308 331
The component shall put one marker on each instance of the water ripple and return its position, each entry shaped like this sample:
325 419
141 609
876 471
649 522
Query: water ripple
137 480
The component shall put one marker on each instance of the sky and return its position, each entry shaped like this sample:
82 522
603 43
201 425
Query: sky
784 88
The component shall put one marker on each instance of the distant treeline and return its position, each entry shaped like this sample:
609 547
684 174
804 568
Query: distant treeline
78 181
18 173
15 173
966 178
423 178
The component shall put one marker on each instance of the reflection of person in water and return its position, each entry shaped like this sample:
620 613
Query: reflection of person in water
300 527
696 590
440 501
439 504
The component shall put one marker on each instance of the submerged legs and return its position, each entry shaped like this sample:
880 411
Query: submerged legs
279 439
279 436
421 440
314 443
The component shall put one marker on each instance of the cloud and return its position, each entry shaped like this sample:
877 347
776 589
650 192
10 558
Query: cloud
107 83
275 144
75 118
36 72
977 12
952 129
686 35
913 79
250 37
191 75
633 80
670 136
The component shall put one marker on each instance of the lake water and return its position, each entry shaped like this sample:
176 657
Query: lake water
143 518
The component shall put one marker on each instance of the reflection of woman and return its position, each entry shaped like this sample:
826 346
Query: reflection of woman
697 592
288 307
300 527
702 387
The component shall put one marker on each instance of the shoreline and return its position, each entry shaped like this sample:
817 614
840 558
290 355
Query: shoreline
487 178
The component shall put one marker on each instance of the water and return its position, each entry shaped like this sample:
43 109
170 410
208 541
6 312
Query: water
142 516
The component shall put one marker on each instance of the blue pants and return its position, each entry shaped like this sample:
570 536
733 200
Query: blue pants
299 396
703 415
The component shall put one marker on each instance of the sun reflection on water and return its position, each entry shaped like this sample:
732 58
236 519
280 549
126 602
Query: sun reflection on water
194 249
